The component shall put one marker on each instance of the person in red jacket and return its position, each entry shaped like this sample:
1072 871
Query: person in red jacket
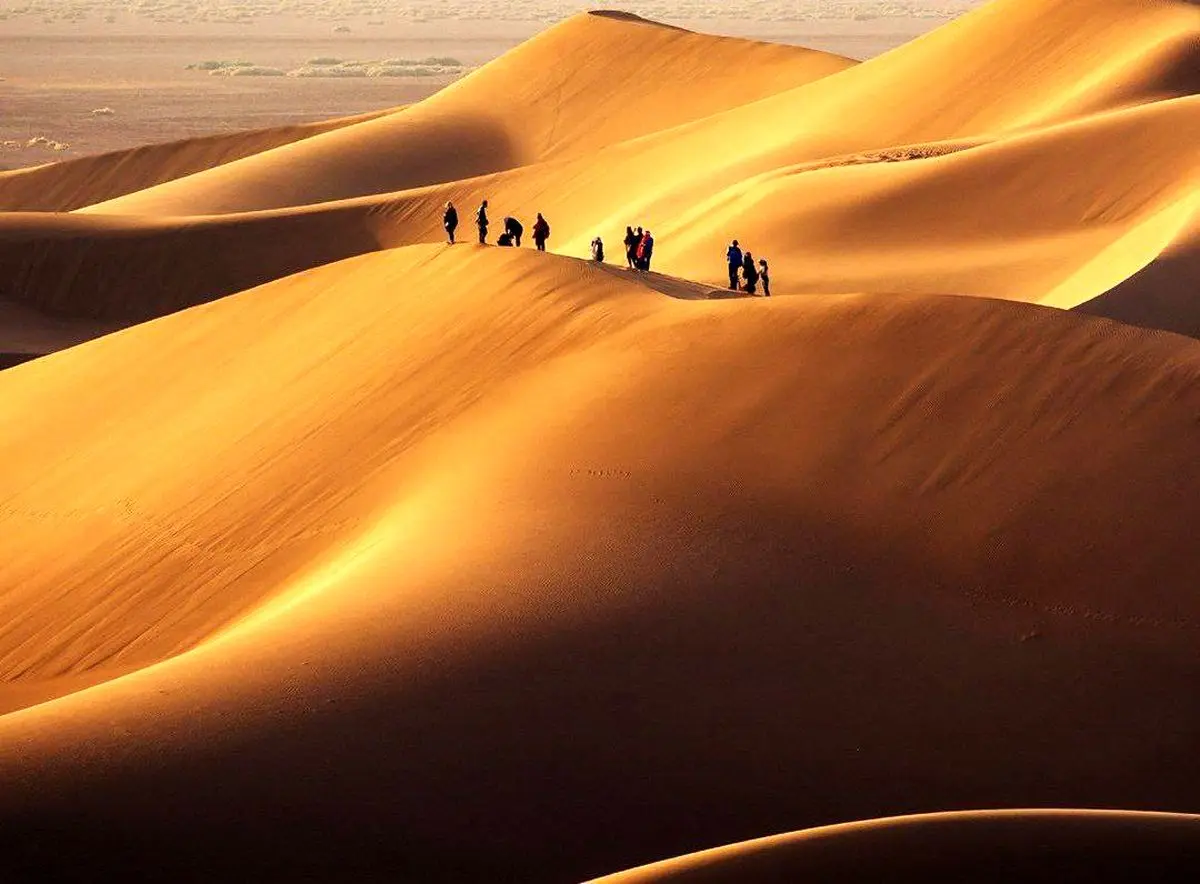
645 252
541 232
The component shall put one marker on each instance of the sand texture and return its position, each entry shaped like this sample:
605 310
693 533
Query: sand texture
351 555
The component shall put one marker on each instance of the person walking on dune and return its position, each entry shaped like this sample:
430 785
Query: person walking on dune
541 232
450 221
645 252
764 275
481 221
514 229
733 257
750 273
598 250
631 245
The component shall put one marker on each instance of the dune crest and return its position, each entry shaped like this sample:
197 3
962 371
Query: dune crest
575 89
552 477
358 555
884 177
73 184
986 846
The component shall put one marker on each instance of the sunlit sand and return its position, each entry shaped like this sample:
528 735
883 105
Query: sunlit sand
332 551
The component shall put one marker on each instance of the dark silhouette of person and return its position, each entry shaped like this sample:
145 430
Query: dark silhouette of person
541 232
631 245
646 251
598 250
750 274
514 229
764 275
733 256
504 239
450 221
481 221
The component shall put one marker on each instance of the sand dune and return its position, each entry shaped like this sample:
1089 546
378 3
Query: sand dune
523 108
373 558
1003 208
1162 293
497 533
981 847
27 334
1015 218
69 185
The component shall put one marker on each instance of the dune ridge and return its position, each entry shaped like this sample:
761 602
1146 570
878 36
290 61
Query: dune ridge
73 184
522 108
983 846
311 533
355 555
840 201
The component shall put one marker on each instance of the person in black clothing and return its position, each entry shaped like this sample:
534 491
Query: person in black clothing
750 274
733 257
598 250
764 274
631 246
504 239
514 229
450 221
541 232
481 221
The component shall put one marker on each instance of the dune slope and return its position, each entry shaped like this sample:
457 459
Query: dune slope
793 561
592 81
982 847
1164 292
1016 218
969 184
73 184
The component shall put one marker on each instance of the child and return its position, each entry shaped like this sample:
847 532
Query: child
505 239
598 250
764 276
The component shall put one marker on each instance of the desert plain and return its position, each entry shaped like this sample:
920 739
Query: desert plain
333 551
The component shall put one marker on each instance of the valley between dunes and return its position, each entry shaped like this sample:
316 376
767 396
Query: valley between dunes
333 552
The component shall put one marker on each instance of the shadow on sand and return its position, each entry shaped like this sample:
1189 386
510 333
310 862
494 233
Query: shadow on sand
672 286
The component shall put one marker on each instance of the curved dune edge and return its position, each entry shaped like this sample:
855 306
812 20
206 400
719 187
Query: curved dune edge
444 564
1003 83
996 220
572 91
393 540
984 845
73 184
1162 293
838 202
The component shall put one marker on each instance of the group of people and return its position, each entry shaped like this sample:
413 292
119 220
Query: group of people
513 229
639 249
744 273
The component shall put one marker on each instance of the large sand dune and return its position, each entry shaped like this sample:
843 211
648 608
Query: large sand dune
63 187
367 557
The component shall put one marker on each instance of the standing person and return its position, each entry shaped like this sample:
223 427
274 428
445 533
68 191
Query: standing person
514 229
764 274
598 250
541 232
631 245
481 221
733 257
646 251
450 221
750 272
